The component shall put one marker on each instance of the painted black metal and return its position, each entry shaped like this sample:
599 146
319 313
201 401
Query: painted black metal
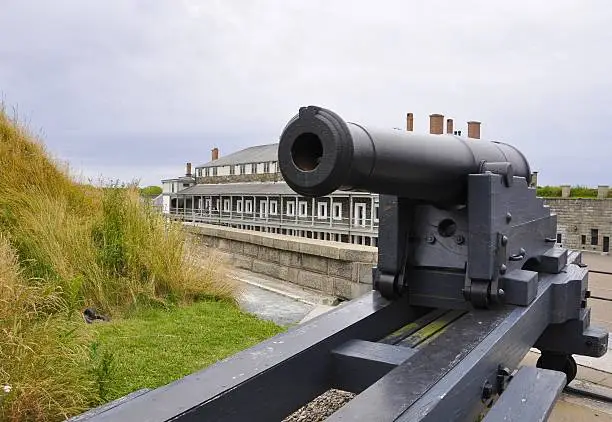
358 364
319 152
530 396
90 414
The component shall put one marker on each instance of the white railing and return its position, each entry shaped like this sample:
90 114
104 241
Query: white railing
344 224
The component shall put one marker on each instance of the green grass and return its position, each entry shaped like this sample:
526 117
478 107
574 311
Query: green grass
66 245
157 346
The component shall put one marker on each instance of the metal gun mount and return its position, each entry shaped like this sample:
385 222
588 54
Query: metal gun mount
468 280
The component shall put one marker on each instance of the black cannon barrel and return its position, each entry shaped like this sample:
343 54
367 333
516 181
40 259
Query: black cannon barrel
319 153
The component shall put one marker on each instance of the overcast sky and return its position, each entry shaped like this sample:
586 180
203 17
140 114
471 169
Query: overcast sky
134 89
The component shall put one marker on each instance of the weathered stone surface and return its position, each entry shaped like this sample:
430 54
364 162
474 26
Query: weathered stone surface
310 263
270 269
236 247
340 268
576 217
319 248
314 263
251 249
223 244
316 281
242 262
359 253
364 273
292 275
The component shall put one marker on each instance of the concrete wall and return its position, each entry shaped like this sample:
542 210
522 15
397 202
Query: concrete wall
340 269
581 217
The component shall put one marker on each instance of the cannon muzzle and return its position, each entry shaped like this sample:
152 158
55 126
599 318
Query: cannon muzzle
319 153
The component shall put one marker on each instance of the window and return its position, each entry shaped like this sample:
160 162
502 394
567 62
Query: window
249 206
217 208
232 170
207 171
273 208
242 168
303 210
337 214
594 236
291 208
376 213
360 215
322 210
226 205
208 203
254 168
266 167
239 206
559 238
185 185
214 171
263 209
583 239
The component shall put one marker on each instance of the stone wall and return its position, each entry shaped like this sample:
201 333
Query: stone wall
339 269
582 222
240 178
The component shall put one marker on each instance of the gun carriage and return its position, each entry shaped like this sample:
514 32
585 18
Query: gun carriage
464 243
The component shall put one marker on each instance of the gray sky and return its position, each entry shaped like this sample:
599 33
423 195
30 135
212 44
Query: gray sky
135 88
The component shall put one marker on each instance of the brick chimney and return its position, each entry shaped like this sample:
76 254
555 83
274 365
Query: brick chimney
474 130
409 122
188 170
449 126
214 154
436 124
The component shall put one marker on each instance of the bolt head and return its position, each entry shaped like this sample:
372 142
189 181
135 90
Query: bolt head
431 238
508 217
460 239
504 240
503 269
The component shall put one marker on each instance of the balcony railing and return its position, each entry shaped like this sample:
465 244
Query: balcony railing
346 224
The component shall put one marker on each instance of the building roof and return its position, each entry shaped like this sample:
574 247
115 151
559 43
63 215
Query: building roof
256 154
250 188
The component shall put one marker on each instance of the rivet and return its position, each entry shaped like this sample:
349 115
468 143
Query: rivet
502 269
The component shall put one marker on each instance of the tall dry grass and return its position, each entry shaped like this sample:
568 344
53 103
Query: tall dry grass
43 357
66 245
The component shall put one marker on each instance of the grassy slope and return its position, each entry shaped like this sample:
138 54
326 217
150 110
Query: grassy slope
157 346
65 245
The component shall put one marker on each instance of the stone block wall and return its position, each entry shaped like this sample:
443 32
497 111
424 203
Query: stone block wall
339 269
240 178
583 223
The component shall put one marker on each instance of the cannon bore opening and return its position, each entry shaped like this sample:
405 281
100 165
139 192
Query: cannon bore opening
307 151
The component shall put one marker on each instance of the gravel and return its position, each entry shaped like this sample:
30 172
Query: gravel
321 407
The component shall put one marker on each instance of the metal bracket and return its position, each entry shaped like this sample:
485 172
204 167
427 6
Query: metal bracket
483 293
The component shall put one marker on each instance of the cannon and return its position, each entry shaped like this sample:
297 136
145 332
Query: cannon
469 278
319 153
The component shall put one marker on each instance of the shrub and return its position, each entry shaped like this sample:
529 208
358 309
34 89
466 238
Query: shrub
549 191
